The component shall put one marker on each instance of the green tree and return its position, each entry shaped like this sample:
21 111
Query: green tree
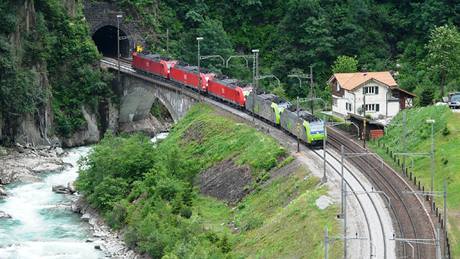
345 64
443 57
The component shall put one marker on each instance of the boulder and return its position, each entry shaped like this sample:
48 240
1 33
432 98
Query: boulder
3 192
86 217
48 168
61 189
3 151
59 151
4 215
71 187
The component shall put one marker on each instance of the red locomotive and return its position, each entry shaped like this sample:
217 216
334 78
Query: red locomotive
188 75
227 89
152 63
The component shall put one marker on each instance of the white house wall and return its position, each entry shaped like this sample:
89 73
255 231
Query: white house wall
356 99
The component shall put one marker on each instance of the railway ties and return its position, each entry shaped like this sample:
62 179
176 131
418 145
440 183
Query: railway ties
409 214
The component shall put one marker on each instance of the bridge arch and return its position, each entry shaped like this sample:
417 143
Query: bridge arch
137 97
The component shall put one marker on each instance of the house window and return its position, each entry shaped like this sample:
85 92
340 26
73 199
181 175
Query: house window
372 107
338 87
371 90
348 106
334 101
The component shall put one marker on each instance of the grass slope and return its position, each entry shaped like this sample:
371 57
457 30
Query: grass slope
447 155
279 221
148 192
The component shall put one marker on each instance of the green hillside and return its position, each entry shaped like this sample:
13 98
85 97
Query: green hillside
447 155
153 193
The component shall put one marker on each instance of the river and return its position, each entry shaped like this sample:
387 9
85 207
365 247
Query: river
42 225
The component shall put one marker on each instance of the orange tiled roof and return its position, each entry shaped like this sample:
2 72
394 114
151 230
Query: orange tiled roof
350 81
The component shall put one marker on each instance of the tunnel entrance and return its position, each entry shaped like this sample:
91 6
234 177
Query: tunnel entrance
106 41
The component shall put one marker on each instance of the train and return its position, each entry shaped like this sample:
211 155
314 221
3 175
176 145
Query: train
267 106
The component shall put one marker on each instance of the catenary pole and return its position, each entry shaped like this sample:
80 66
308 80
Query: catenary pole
119 16
198 39
403 140
345 221
324 179
445 218
254 81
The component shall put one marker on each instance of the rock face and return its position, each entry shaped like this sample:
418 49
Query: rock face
24 163
86 136
150 126
226 181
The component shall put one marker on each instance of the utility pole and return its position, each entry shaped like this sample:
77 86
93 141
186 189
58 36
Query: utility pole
403 140
198 39
344 221
312 95
364 120
342 154
299 77
255 75
324 179
167 40
298 126
119 16
432 122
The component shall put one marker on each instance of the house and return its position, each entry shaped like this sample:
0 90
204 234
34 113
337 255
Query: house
376 92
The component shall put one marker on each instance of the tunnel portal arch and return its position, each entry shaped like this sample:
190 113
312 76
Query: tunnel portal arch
105 39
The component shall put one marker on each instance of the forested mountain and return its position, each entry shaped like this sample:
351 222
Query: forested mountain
294 34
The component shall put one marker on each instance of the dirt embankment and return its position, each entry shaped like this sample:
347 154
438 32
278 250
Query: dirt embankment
226 181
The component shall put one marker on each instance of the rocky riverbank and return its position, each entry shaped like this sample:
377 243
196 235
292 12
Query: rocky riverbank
25 163
105 239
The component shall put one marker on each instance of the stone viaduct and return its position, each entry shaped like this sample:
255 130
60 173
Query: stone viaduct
136 92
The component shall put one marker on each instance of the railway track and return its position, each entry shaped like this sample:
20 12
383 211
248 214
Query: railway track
411 217
406 209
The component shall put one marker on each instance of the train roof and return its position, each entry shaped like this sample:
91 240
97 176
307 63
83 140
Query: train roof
273 98
230 82
192 69
304 114
154 56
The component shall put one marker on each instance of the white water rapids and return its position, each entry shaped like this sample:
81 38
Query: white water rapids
42 224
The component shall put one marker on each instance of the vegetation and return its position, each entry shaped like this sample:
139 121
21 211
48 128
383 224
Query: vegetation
56 48
419 39
418 140
148 190
72 64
